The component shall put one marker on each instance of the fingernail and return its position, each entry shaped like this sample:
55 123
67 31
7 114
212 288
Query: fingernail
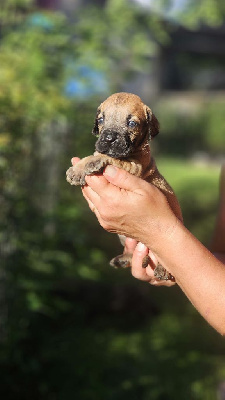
141 246
111 171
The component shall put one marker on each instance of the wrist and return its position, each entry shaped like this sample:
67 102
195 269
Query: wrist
160 237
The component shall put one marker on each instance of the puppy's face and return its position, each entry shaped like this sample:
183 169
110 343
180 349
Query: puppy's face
123 124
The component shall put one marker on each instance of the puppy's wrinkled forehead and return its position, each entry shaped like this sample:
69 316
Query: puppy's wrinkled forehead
121 105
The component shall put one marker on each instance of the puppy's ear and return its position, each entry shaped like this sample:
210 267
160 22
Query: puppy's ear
154 126
152 121
95 130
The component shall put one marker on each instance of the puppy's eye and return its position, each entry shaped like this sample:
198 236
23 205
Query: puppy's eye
100 120
132 124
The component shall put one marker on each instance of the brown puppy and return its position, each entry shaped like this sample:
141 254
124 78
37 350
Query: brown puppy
124 126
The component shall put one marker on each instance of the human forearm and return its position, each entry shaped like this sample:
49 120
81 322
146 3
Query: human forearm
199 274
218 240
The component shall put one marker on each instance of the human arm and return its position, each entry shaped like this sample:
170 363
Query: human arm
217 245
127 205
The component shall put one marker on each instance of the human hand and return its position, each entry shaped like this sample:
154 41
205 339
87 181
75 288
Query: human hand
139 251
127 205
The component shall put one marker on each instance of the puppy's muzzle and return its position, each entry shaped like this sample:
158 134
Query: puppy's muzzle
114 144
110 136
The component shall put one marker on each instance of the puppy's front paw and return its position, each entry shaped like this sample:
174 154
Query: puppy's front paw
95 164
87 166
76 175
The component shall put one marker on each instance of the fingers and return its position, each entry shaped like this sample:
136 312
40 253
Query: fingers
92 198
91 205
75 160
98 184
93 181
95 188
130 245
121 178
137 270
146 274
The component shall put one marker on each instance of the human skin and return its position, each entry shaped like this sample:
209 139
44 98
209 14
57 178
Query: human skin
129 206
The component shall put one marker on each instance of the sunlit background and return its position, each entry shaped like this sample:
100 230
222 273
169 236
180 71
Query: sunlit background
71 327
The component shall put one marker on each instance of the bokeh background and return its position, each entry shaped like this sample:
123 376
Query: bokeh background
72 327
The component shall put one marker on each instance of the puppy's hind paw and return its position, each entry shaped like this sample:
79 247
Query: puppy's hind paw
162 274
146 261
122 261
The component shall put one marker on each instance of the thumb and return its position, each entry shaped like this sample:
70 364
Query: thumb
121 178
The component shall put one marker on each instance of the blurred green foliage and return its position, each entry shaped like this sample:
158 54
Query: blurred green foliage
71 326
210 12
197 189
198 127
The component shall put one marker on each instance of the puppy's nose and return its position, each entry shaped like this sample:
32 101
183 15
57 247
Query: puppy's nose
110 136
